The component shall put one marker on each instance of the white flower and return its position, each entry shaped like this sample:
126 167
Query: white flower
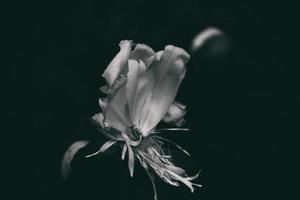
153 79
141 88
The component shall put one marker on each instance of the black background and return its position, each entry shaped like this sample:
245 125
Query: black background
238 108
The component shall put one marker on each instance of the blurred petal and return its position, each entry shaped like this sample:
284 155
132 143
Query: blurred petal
175 114
68 157
143 52
168 72
204 36
119 62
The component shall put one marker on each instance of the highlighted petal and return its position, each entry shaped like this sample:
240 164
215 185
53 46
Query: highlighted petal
69 155
119 63
169 71
143 52
134 70
144 87
175 114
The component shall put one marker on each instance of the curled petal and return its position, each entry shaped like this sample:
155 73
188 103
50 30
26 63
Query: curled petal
143 52
69 155
168 72
119 63
175 114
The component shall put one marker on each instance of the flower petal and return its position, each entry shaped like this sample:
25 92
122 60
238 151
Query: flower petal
175 114
130 160
103 103
99 119
118 63
143 52
69 155
103 148
158 55
168 72
124 151
143 88
134 69
115 110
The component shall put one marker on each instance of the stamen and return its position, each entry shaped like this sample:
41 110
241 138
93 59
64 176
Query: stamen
171 142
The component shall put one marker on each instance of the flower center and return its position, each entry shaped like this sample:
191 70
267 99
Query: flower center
134 133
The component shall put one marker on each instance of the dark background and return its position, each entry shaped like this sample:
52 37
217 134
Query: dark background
238 106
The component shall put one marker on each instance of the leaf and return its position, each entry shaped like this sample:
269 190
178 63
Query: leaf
69 155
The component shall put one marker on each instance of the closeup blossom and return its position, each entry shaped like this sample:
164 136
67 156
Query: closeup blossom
141 88
151 81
